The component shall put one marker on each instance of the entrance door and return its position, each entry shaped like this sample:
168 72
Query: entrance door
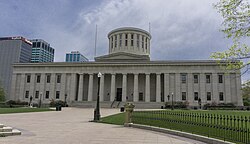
119 94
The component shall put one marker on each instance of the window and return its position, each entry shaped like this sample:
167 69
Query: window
57 94
37 94
220 78
27 94
47 95
196 96
34 44
58 79
142 42
208 96
221 96
38 78
111 42
208 78
132 39
137 41
48 78
183 78
28 78
140 96
196 79
120 43
146 44
183 96
115 40
126 39
38 44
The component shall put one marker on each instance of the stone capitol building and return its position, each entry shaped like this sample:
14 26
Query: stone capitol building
128 75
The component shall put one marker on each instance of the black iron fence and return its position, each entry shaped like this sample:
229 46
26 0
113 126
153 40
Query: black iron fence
225 127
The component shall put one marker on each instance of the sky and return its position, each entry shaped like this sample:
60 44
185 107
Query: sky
180 29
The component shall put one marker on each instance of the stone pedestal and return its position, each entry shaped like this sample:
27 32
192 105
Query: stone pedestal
129 108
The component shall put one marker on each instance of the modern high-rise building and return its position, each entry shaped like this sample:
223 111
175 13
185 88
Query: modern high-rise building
75 56
12 50
41 51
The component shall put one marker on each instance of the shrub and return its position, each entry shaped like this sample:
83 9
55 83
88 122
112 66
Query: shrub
54 103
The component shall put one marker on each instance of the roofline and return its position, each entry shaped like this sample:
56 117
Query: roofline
129 28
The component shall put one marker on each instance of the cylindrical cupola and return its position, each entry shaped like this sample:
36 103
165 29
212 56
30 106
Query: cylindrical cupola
129 40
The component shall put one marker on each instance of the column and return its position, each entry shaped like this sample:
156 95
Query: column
72 87
203 94
13 87
166 86
215 95
136 98
90 90
42 85
147 88
238 89
53 86
32 85
80 88
63 86
124 87
101 94
112 94
190 95
158 87
22 86
177 94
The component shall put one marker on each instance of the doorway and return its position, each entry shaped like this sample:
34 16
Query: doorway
119 94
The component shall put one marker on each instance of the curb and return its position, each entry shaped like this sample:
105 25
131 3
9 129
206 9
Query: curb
179 133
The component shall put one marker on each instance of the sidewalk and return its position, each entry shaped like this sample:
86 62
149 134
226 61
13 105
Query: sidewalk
71 126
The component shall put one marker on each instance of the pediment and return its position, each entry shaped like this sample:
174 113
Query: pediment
122 56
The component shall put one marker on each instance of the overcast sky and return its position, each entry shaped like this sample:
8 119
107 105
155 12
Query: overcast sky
180 29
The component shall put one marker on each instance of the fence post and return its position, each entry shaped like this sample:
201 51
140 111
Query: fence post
129 108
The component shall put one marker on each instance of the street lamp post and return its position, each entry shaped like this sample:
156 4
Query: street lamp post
172 101
97 109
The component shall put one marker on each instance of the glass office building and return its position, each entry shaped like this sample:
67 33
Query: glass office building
75 56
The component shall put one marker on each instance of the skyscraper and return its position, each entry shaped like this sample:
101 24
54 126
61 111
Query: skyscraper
41 51
75 56
12 50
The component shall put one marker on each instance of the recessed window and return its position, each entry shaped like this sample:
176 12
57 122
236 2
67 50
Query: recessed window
38 78
120 42
140 96
47 95
138 40
146 44
57 94
38 44
220 78
115 40
48 78
27 94
208 78
183 78
37 94
132 39
28 79
208 96
196 78
58 79
142 42
184 96
196 96
221 96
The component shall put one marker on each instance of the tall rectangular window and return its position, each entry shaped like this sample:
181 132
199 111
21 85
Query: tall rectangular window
120 41
183 78
48 78
196 78
37 94
58 78
138 40
146 43
38 78
115 40
28 79
184 96
196 96
57 94
208 96
142 42
26 94
126 39
111 42
208 78
38 44
47 95
221 96
220 78
132 39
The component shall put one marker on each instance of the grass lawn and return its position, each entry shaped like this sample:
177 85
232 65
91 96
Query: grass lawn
117 119
23 110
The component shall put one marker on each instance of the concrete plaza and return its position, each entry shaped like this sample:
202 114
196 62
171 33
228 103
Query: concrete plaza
71 126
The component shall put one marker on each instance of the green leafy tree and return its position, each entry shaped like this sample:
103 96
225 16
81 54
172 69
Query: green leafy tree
246 93
236 26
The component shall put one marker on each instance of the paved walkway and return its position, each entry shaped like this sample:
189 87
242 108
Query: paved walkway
71 126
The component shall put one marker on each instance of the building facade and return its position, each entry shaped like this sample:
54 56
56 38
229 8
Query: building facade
75 56
128 76
41 51
12 50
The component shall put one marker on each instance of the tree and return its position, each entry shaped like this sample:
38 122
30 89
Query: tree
2 95
236 26
246 93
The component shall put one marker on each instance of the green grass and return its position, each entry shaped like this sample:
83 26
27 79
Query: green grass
22 110
117 119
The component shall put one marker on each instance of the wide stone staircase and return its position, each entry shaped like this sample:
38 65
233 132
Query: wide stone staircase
8 131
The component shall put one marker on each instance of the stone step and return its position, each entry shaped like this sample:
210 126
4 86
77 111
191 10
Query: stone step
12 133
6 129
